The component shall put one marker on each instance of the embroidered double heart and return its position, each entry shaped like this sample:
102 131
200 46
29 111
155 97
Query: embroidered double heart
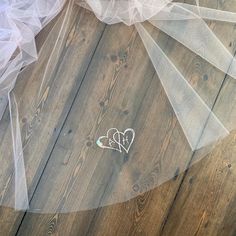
116 140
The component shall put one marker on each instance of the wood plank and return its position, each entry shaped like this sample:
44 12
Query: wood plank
103 90
145 214
42 114
205 204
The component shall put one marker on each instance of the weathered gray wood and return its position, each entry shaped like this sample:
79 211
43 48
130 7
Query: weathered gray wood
44 112
97 107
205 204
102 97
146 214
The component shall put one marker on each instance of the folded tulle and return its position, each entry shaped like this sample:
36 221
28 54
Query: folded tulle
200 125
126 11
20 21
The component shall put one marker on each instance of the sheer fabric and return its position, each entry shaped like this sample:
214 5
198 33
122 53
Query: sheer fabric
20 21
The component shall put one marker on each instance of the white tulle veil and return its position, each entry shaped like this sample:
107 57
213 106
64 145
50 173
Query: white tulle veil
21 21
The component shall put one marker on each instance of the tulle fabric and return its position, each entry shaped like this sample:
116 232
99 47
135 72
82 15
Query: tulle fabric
20 21
126 11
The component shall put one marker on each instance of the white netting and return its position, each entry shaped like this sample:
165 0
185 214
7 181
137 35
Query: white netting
20 21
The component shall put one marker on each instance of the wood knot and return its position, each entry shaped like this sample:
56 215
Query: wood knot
102 104
136 188
89 144
126 112
205 77
113 58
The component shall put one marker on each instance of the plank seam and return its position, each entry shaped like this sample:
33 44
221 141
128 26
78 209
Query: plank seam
135 118
192 156
63 124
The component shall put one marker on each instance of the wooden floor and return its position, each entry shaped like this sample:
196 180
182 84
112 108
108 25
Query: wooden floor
77 57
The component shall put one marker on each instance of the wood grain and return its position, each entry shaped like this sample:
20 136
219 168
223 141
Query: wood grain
120 88
70 30
130 218
208 190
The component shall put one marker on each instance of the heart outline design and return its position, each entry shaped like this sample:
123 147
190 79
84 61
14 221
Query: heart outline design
116 138
124 133
101 145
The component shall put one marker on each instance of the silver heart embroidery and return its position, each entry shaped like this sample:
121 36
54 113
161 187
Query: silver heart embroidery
117 140
108 140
